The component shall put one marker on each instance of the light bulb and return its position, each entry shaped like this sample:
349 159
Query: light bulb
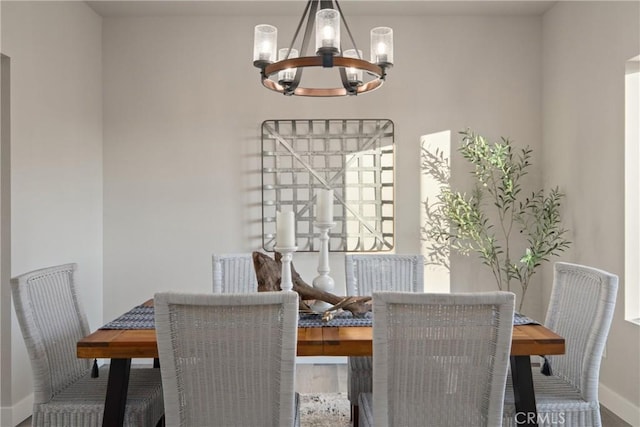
381 52
265 51
328 33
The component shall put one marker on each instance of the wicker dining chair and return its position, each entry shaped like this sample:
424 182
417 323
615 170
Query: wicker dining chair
228 359
580 309
366 274
65 394
439 359
234 273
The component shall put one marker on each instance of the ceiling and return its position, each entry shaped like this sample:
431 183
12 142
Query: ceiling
119 8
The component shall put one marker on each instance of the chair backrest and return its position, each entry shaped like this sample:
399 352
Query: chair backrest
366 274
227 360
581 309
440 357
234 273
52 321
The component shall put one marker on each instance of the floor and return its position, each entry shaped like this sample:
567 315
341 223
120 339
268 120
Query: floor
609 419
321 378
333 379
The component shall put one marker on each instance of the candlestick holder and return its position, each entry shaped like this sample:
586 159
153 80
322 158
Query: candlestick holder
287 255
323 281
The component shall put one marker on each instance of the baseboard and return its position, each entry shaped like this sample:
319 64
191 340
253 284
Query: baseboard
5 416
321 360
309 360
620 406
11 416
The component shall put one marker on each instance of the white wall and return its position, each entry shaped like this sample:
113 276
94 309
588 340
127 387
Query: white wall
586 46
181 153
56 158
183 108
5 238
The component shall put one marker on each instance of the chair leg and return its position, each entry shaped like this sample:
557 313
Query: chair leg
354 414
161 421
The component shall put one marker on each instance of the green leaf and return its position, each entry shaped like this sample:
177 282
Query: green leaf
497 215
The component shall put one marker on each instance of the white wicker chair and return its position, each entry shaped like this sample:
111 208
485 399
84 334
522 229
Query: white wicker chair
52 321
366 274
234 273
228 360
580 309
439 359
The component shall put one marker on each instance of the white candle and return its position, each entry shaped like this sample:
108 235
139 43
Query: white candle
324 212
285 229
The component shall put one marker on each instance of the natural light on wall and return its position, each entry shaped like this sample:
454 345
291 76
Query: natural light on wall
436 277
369 196
632 191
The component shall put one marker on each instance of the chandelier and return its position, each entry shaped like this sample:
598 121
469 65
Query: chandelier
281 69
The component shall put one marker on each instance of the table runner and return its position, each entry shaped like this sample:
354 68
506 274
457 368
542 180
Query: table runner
521 319
141 317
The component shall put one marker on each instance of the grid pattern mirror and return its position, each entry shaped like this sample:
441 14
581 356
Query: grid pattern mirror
352 157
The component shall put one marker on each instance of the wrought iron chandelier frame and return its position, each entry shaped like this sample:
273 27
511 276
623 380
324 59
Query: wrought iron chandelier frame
325 57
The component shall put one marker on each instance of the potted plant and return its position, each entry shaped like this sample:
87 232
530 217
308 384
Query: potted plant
496 219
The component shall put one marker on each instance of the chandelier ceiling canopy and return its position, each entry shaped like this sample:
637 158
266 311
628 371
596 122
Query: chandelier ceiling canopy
281 69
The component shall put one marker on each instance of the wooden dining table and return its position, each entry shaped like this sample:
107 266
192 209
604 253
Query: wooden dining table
122 345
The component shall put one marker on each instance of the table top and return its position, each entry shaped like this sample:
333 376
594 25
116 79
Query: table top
325 341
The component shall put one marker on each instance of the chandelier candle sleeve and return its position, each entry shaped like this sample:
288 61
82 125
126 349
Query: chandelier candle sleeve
382 45
327 30
287 75
285 229
354 75
265 43
324 213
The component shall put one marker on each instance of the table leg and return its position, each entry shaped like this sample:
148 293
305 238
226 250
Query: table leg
523 392
117 387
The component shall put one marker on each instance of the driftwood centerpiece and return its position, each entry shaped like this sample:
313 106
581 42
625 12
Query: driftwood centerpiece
269 270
